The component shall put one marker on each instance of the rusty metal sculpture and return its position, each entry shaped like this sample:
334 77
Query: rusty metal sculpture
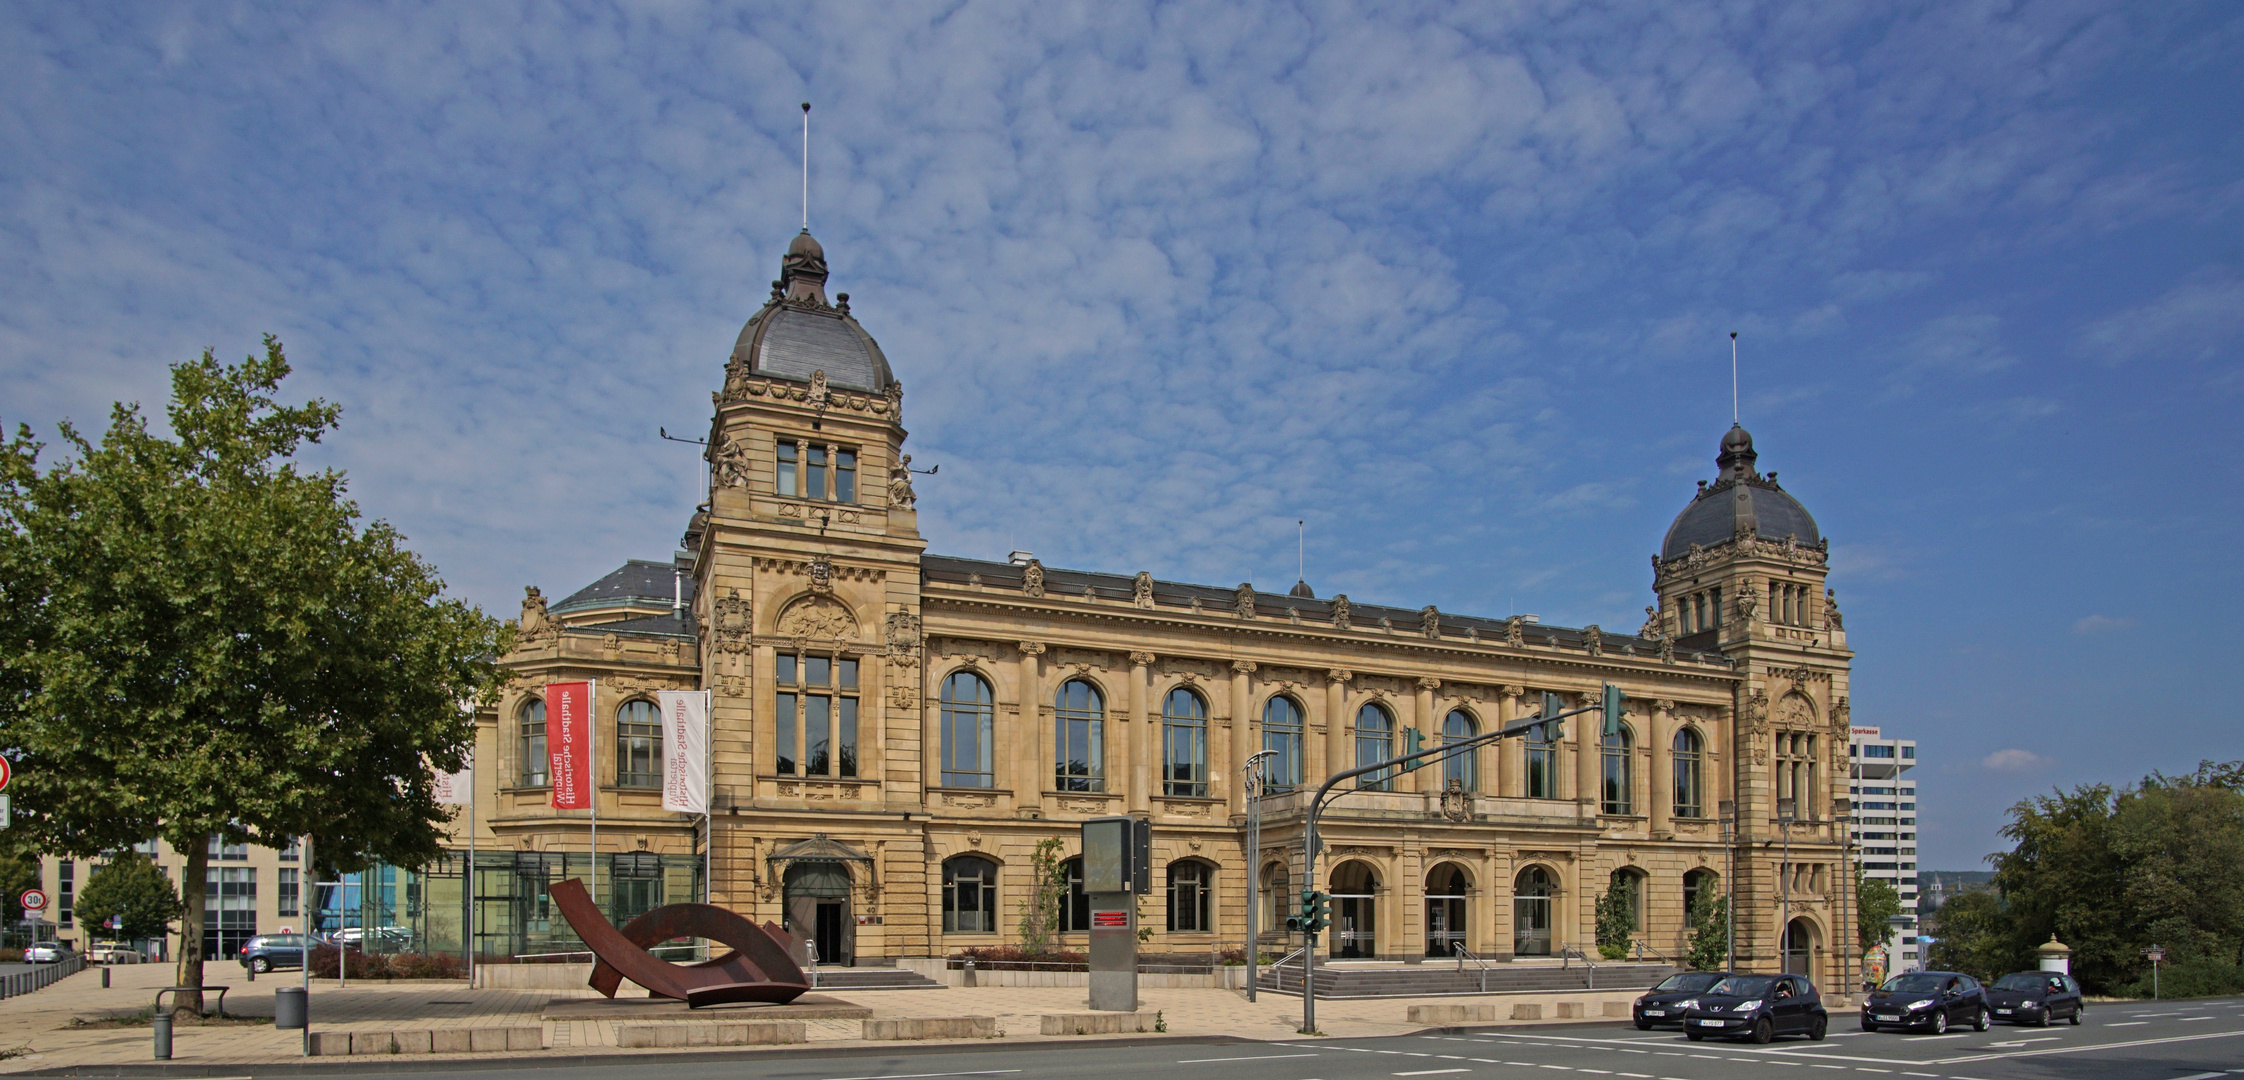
758 968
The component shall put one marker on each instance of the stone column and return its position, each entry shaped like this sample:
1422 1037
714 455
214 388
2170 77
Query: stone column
1145 741
930 731
1336 721
1429 778
1242 740
1034 742
1661 733
1587 730
1511 754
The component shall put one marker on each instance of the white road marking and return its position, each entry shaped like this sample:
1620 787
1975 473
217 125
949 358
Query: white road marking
2203 1076
2047 1050
2187 1019
1432 1072
924 1076
2129 1023
1187 1061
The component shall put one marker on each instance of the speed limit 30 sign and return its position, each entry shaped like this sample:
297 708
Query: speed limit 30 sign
34 900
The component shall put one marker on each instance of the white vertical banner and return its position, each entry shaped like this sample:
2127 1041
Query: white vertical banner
685 741
457 788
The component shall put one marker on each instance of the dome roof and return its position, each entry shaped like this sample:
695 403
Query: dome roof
1742 500
798 332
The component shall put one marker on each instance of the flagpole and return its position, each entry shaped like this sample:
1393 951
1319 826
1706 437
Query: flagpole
592 757
469 880
708 798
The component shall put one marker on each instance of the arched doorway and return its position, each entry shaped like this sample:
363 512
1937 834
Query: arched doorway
1799 948
1531 911
1446 910
817 910
1355 935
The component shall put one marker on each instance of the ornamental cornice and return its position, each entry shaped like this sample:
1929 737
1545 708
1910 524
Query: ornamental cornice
1743 546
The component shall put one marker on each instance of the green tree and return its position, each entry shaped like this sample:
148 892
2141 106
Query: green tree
1875 900
1616 918
19 871
1975 935
204 640
132 888
1040 909
1710 933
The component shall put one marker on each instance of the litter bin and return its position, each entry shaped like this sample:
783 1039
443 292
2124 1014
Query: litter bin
291 1008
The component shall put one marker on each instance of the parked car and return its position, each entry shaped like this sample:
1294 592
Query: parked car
110 952
2035 997
1926 1001
265 952
1759 1008
47 952
384 939
1665 1004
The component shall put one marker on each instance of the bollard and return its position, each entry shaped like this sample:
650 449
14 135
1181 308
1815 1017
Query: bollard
291 1008
105 978
969 979
162 1026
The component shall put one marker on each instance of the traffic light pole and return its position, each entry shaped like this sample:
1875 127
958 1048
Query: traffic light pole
1609 704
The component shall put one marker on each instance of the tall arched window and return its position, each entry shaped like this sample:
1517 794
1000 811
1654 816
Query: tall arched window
1375 742
1079 738
529 743
1075 908
969 712
1532 891
1542 762
1689 757
1460 770
1281 734
638 745
1277 898
1191 883
970 895
1184 744
1700 892
1617 774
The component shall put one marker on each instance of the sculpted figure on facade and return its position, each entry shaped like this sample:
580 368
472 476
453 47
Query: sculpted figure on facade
1831 619
1515 631
900 495
1243 600
1429 621
1340 611
535 624
821 574
1141 590
818 618
818 395
1651 630
728 464
1748 602
1032 578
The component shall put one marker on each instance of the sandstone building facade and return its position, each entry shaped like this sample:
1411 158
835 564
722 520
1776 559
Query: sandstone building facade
895 731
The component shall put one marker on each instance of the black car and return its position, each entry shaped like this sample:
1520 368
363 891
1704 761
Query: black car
1757 1007
265 952
1926 1001
2035 997
1665 1004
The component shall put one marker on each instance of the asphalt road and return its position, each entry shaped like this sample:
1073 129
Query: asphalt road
2196 1040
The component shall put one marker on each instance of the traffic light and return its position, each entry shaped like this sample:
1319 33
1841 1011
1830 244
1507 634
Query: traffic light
1552 706
1613 702
1320 911
1413 742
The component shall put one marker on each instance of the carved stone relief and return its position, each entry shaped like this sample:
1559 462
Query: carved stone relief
732 622
1141 590
1032 578
818 618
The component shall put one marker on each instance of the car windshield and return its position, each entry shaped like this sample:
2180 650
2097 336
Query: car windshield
1744 985
1917 983
1687 982
2024 980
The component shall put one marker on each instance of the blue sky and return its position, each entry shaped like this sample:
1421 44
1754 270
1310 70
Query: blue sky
1452 285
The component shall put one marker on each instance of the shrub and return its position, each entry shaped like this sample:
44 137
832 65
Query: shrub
1011 958
2202 977
426 966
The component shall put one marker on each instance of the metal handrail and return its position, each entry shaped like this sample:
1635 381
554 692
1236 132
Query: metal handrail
1568 954
1281 961
1464 954
1642 948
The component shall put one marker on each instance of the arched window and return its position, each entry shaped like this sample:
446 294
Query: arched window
529 743
1191 883
1542 762
638 745
1700 893
968 740
1460 770
1075 907
1617 774
1375 742
1079 738
1281 734
1446 919
1531 912
1689 763
1628 887
970 895
1184 745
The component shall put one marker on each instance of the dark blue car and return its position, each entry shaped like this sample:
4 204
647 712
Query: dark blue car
265 952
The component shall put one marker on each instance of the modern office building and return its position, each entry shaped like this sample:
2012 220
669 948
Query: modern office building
1885 811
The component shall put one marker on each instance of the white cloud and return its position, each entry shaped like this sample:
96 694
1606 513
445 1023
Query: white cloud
2102 624
2199 320
2015 761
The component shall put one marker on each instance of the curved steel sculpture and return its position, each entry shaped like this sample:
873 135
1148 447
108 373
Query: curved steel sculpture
758 968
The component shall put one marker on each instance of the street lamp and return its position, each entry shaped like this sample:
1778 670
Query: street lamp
1842 814
1728 809
1786 806
1256 777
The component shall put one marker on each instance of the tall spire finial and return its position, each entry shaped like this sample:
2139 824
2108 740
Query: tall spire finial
806 170
1733 344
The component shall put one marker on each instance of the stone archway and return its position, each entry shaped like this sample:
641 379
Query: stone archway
1534 903
1355 911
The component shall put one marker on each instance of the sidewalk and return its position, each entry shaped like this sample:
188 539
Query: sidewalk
37 1028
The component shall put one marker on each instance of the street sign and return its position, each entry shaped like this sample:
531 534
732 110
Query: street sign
7 812
5 773
34 900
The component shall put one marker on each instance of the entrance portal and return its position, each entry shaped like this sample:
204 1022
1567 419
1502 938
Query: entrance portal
1445 911
818 912
1531 912
1355 912
1799 948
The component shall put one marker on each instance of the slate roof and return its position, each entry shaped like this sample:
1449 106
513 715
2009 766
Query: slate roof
792 342
1004 576
1740 500
638 582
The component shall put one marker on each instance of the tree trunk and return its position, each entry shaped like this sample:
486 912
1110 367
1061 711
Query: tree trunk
194 888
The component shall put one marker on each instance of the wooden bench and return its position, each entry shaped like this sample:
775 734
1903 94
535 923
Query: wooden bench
159 1006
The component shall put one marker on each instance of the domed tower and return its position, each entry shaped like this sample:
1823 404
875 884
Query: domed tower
1742 571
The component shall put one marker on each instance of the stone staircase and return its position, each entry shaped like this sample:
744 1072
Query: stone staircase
873 978
1436 978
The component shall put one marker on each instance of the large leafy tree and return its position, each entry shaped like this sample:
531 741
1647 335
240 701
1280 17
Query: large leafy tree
205 640
1876 900
133 891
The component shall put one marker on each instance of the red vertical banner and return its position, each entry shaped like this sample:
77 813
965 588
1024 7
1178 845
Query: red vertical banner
568 742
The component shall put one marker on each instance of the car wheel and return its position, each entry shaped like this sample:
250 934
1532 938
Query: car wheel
1695 1036
260 965
1979 1020
1643 1025
1868 1026
1764 1031
1818 1027
2077 1010
1940 1021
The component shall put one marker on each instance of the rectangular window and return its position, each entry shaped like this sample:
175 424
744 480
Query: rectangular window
230 915
845 476
290 853
225 852
65 893
787 468
814 473
816 722
638 746
290 892
1542 764
1909 752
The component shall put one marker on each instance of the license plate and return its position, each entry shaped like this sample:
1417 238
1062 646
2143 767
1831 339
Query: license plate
1889 1019
2002 1012
1710 1023
1655 1012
